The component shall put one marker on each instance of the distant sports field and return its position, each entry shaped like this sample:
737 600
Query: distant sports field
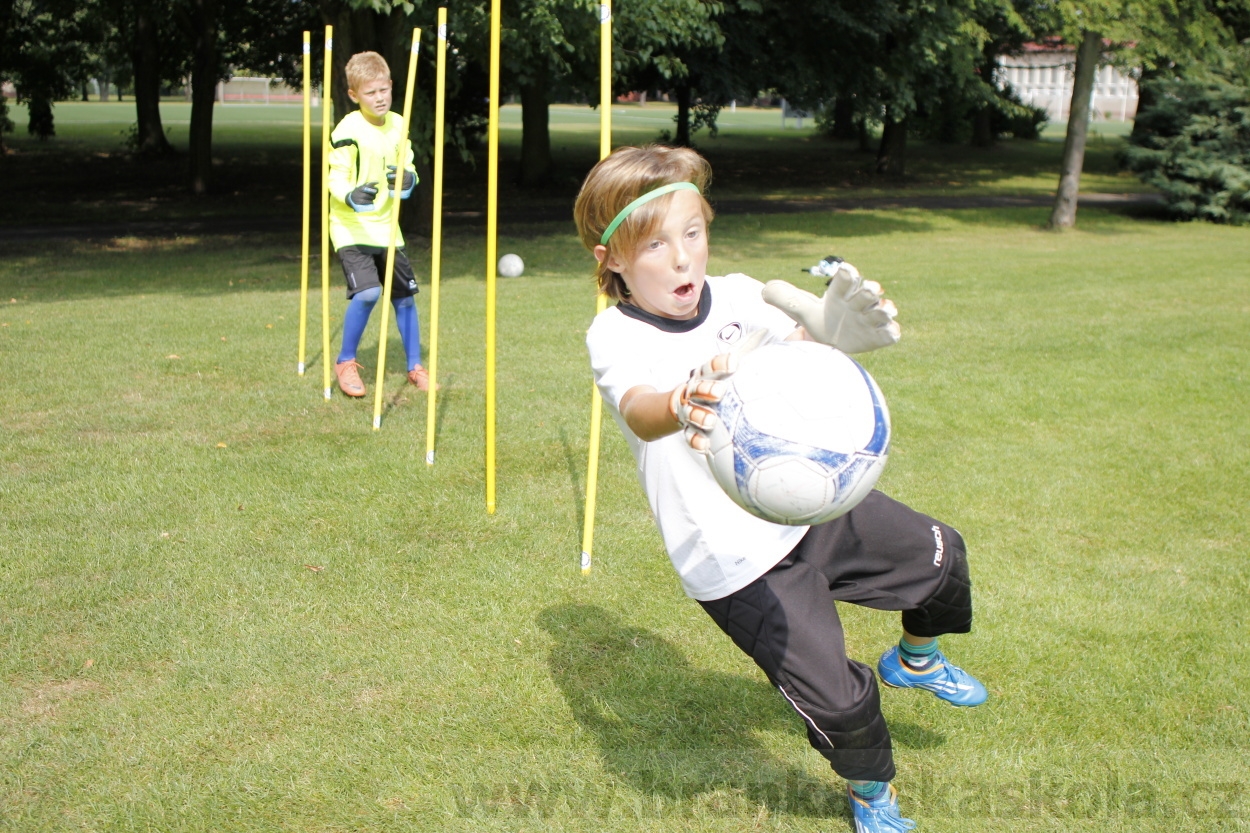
228 604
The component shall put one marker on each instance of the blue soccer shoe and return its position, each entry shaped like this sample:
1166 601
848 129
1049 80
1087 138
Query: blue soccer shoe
952 684
880 815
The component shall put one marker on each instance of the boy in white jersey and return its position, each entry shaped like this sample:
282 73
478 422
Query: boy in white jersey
660 356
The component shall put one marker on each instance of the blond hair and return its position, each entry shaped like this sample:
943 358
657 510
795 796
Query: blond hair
364 67
625 175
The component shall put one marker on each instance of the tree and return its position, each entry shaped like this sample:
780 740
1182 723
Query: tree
148 28
1191 136
1063 215
681 46
201 21
1182 29
1194 146
44 53
550 48
1204 41
544 47
222 36
1006 29
836 77
6 26
891 59
931 55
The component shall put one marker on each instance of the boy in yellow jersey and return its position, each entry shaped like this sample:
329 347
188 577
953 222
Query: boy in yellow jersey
366 147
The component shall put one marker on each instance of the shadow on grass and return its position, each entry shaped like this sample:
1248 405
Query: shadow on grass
192 266
676 732
576 465
762 235
86 176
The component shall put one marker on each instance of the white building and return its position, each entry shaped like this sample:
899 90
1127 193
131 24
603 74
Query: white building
1042 77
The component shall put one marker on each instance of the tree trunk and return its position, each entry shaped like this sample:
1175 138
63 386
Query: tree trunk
145 58
535 134
892 153
682 137
1145 99
1064 213
983 128
205 72
844 118
40 123
861 132
983 119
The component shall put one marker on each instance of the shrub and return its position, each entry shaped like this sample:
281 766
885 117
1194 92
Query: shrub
1013 116
1193 144
949 118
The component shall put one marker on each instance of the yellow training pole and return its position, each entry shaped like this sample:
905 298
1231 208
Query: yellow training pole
303 251
327 112
596 401
605 85
395 202
492 227
436 245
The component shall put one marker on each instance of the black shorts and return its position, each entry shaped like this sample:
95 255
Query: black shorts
365 266
883 555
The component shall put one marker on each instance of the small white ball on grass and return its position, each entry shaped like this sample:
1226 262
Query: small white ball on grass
511 266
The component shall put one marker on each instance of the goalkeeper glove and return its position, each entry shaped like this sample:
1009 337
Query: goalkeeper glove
692 404
361 199
853 316
410 180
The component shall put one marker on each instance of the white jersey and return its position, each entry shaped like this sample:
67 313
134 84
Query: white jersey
716 546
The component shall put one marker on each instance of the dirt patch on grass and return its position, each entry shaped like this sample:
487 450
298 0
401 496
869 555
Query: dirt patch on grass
46 701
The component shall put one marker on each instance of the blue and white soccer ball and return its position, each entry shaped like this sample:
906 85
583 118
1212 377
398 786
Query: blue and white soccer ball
803 433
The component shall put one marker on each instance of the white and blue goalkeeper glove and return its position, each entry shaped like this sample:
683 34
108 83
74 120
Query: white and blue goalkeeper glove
853 315
693 404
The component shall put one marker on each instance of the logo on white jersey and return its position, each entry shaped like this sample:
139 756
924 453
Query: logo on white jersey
940 546
730 333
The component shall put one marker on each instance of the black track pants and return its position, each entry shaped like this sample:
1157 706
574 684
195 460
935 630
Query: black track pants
882 555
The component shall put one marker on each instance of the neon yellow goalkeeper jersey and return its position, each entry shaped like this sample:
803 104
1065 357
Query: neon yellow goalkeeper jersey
359 153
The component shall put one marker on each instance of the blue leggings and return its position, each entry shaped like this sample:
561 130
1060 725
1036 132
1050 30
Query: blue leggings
357 316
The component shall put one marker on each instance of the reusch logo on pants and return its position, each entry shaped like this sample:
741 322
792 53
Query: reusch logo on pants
940 546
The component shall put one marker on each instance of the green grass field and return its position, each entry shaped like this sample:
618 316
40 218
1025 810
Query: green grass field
228 604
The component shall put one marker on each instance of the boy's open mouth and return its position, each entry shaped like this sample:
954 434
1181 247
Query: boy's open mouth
684 291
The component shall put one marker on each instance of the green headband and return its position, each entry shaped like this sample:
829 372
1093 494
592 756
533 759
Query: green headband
641 201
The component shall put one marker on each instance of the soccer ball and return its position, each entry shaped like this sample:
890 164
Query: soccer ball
511 266
803 433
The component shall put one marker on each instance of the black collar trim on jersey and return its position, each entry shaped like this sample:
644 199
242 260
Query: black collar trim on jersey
672 325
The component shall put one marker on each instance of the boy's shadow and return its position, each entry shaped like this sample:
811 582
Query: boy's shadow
673 731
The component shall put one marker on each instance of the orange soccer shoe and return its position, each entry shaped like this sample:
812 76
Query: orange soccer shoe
420 377
348 373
